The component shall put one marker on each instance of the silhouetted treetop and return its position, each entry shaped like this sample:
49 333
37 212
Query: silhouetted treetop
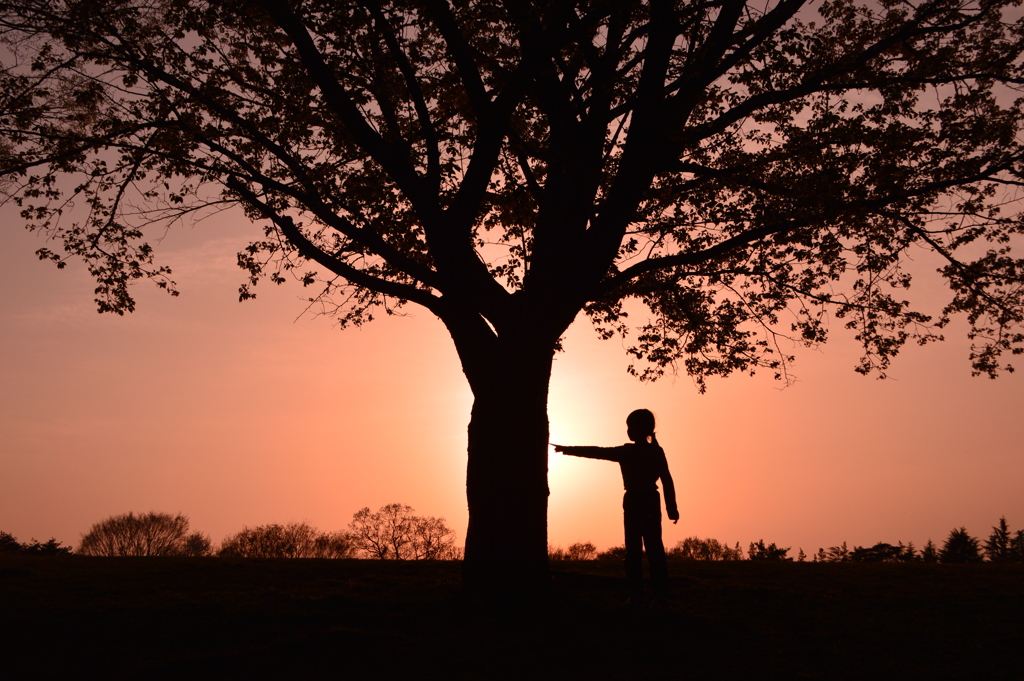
960 547
145 534
712 160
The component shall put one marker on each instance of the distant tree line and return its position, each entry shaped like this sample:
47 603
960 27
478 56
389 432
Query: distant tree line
394 532
1002 546
10 544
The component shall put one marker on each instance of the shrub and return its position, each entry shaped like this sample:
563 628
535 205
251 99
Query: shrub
146 534
295 540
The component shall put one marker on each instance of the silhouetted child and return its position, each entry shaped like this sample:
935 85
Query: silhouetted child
643 463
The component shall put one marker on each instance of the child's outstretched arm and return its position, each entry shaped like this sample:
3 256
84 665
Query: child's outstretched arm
604 453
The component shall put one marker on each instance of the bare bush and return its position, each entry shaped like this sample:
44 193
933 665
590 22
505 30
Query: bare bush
294 540
146 534
556 553
581 551
695 548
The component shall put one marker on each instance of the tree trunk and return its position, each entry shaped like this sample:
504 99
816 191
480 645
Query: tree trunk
506 481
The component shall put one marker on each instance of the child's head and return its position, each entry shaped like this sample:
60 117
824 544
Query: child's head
640 425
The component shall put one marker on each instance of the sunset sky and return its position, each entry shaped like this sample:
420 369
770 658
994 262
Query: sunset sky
242 414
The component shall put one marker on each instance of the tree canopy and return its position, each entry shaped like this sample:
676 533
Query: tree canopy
734 174
715 161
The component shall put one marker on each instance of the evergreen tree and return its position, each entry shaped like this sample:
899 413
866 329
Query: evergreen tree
758 551
930 554
1017 548
838 554
997 548
961 547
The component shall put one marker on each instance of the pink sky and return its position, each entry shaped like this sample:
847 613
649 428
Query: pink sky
244 414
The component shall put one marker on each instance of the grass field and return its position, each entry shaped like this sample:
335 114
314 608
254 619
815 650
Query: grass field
309 619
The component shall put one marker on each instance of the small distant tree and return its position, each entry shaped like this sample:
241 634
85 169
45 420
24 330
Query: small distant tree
998 548
758 551
8 543
613 553
432 539
146 534
581 551
909 554
735 553
294 540
395 533
695 548
837 554
1017 547
198 544
879 553
961 547
801 557
930 553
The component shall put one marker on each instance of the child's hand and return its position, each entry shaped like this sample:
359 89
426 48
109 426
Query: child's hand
558 448
673 516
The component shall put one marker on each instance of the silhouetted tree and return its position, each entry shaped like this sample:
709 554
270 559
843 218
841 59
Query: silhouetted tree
930 553
1017 547
8 543
393 532
837 554
960 547
581 551
507 165
999 547
758 551
695 548
197 545
146 534
879 553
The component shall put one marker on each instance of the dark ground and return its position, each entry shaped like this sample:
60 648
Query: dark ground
309 619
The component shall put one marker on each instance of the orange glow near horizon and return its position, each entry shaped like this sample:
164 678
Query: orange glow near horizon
241 414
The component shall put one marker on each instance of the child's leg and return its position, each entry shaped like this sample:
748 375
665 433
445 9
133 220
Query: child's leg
632 516
651 519
656 556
